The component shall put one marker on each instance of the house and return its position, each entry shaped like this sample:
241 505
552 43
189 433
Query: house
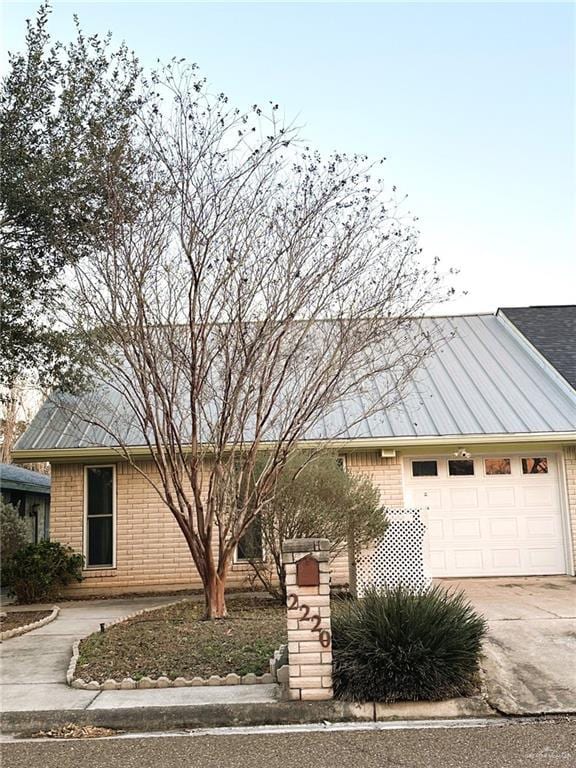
484 441
29 492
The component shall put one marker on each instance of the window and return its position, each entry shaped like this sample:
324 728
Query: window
100 506
537 466
497 466
250 545
459 467
424 468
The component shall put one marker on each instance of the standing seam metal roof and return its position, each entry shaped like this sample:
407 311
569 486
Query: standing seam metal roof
481 379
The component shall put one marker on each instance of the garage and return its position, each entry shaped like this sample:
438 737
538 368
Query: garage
489 515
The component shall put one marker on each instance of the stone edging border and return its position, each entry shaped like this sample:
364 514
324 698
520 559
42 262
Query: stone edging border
128 683
29 627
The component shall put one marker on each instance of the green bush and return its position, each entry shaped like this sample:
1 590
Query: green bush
13 534
36 572
404 645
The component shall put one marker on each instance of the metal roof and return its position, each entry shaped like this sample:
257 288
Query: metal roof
552 331
19 479
482 379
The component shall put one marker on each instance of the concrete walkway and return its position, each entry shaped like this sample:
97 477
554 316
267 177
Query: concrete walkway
33 666
530 653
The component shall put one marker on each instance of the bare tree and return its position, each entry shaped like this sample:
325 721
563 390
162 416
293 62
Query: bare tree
18 405
258 295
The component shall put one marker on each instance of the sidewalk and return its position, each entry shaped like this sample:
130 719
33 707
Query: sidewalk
33 666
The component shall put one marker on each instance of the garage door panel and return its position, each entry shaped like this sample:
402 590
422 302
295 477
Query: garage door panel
506 559
466 528
503 527
543 557
436 529
542 527
483 525
438 561
465 559
500 497
464 498
541 497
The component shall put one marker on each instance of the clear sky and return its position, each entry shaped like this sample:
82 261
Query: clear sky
473 104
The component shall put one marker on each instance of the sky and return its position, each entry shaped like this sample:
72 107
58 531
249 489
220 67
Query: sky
472 104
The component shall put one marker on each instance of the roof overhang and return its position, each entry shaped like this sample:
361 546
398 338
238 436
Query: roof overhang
14 485
358 444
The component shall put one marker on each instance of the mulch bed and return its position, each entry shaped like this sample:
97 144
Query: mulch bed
15 619
174 641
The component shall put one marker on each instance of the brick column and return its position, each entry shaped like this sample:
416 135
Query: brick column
309 632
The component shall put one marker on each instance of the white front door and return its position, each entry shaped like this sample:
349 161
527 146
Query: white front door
493 515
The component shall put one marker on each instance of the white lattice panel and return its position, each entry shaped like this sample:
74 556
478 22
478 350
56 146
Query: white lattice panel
398 557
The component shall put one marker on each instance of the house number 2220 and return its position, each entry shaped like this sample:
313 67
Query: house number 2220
323 634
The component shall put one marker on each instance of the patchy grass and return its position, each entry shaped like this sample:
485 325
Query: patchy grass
15 619
174 641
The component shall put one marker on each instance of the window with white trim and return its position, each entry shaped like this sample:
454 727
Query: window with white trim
99 522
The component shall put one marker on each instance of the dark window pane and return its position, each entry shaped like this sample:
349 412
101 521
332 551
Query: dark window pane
424 468
250 545
100 490
461 467
100 541
497 466
535 466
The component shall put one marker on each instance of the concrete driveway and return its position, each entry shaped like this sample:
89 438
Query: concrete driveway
530 652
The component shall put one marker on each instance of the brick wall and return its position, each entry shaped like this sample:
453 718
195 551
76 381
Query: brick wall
570 465
151 553
386 474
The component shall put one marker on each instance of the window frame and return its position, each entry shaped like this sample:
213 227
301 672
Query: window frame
464 474
87 566
244 561
524 457
424 460
509 459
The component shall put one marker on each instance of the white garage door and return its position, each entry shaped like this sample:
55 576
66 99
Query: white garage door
496 515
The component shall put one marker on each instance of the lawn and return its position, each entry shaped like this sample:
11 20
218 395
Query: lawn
174 641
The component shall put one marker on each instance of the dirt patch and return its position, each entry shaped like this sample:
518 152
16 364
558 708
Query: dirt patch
14 619
175 642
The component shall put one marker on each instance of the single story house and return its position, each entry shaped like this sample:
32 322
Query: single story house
484 439
29 492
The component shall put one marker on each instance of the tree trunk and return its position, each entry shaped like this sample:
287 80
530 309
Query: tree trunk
214 594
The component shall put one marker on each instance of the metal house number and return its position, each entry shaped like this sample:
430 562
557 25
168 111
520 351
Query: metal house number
323 634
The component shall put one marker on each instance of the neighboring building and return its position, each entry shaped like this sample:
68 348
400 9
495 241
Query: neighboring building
29 492
485 437
551 331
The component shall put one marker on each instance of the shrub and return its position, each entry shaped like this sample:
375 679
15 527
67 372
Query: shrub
405 645
37 571
313 497
13 533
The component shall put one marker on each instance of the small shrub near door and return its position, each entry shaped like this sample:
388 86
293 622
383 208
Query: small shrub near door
37 572
13 536
402 645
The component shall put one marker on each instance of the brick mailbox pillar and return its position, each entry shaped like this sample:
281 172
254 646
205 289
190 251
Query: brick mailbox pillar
309 632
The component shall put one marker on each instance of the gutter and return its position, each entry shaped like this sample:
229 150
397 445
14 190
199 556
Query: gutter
356 444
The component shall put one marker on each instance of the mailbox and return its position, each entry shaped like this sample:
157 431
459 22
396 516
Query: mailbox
307 572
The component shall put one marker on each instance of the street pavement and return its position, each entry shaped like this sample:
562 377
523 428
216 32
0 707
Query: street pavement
507 744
